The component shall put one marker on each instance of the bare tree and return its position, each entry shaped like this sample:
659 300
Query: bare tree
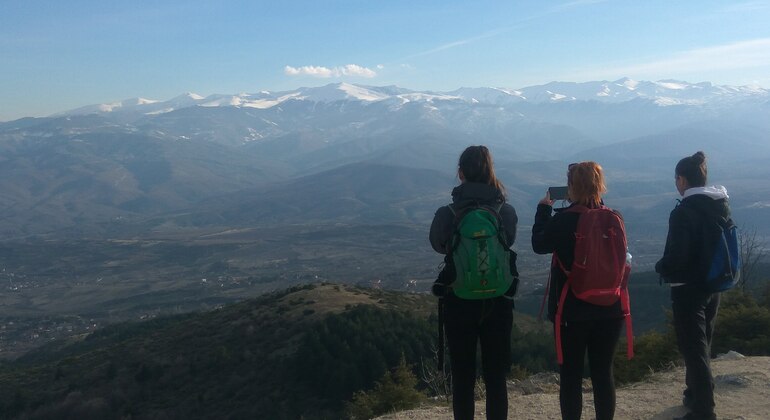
438 380
752 248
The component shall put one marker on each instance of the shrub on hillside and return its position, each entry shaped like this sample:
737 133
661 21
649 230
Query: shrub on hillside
532 351
350 351
743 325
652 351
395 391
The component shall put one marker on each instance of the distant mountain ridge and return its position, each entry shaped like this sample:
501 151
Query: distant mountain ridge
662 93
102 165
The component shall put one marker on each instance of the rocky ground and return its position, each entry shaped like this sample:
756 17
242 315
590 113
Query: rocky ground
742 393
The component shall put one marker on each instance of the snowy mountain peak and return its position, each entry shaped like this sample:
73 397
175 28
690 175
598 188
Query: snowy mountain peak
193 96
341 91
661 92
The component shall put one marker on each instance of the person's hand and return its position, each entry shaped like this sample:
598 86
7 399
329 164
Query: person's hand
547 199
439 290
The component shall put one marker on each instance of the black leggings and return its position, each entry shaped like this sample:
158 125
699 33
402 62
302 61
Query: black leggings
695 313
599 338
469 322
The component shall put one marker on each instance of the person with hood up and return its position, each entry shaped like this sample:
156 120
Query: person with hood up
694 307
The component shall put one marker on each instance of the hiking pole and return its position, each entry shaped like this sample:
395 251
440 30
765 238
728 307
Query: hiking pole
440 335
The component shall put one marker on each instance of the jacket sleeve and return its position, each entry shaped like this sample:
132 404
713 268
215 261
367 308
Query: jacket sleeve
543 241
510 220
441 229
674 265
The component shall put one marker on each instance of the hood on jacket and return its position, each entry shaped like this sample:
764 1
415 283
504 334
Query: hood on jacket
711 200
475 191
715 192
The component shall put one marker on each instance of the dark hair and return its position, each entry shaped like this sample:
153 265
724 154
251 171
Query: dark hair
693 169
476 165
585 181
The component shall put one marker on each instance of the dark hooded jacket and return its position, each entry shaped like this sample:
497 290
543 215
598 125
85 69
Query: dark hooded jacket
681 262
465 194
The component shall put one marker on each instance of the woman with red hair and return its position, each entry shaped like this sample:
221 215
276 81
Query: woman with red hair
585 327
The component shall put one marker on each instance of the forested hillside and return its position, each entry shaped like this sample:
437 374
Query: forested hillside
302 352
314 351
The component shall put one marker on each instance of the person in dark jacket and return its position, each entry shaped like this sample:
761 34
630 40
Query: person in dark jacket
470 322
694 308
585 327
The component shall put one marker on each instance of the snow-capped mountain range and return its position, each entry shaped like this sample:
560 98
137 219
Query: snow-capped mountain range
662 93
288 151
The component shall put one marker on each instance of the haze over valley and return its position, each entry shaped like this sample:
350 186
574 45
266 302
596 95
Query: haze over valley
144 207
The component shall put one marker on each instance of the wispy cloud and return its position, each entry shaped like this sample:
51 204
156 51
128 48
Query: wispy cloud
749 6
326 72
739 55
461 42
573 4
516 25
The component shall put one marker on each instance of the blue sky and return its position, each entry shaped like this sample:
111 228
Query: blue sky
58 55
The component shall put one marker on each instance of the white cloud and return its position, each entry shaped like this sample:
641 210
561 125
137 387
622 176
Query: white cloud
356 70
316 71
326 72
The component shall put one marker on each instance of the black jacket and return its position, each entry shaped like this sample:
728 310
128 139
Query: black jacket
686 235
555 233
441 229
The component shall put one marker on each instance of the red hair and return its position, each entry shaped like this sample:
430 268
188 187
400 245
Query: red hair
585 181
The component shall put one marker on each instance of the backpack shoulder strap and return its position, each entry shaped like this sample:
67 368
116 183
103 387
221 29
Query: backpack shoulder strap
577 208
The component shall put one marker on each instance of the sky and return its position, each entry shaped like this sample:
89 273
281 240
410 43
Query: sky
58 55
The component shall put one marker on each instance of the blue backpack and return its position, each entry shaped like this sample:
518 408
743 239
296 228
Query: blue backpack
722 255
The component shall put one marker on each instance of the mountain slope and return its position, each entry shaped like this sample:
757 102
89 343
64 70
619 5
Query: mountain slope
297 353
246 360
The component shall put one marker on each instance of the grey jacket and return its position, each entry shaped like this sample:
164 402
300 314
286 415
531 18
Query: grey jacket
468 193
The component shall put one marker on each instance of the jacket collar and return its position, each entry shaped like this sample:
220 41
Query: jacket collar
715 192
474 191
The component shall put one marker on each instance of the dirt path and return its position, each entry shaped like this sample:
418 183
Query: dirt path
742 393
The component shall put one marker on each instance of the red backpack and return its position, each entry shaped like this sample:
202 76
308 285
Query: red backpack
599 272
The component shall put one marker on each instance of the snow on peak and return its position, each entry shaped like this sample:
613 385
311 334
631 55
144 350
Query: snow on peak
672 84
361 93
661 92
627 83
489 95
558 96
341 91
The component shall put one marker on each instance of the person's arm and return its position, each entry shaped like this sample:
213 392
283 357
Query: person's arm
542 241
441 229
510 220
675 262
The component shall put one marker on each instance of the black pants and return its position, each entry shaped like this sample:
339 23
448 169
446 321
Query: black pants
695 313
599 339
467 323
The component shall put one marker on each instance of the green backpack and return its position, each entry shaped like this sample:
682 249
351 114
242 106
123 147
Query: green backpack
481 258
